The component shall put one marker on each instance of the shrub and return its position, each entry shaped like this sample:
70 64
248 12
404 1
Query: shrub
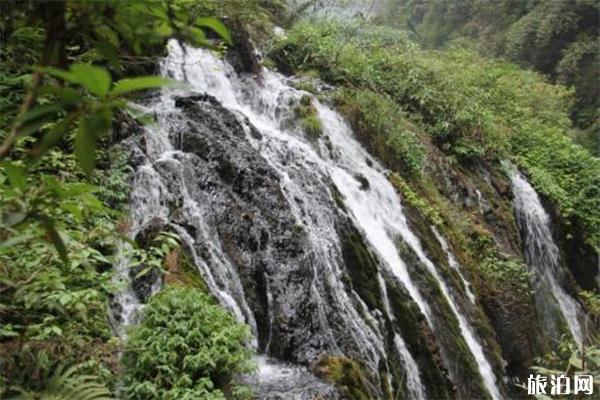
186 347
414 200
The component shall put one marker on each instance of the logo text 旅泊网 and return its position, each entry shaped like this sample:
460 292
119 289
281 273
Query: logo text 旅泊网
556 385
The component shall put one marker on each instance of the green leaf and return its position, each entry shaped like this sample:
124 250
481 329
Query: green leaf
14 218
85 146
97 80
58 73
217 26
53 136
197 35
30 127
16 175
68 95
140 83
143 272
39 111
77 189
54 236
15 240
109 52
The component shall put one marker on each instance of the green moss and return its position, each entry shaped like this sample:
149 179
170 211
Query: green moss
306 84
383 127
347 375
337 197
362 267
312 125
421 343
180 270
308 117
414 200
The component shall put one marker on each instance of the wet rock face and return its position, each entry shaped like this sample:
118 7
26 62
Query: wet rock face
143 284
577 254
253 221
289 288
243 206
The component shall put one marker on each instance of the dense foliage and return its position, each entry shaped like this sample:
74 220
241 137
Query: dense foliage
68 70
185 348
54 309
556 37
384 127
471 107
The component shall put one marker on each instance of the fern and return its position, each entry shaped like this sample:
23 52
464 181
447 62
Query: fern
68 384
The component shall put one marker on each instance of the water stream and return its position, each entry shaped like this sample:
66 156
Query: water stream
544 259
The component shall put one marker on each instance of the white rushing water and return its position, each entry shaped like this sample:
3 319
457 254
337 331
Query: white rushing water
377 211
413 379
453 263
267 108
144 205
148 205
544 259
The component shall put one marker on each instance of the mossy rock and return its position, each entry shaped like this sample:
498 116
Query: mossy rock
346 374
362 267
180 270
338 197
456 354
308 117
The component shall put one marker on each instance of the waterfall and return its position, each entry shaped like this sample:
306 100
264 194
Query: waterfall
169 191
543 258
300 166
379 212
144 205
453 263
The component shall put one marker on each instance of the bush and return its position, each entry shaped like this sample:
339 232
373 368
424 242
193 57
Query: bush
54 309
186 347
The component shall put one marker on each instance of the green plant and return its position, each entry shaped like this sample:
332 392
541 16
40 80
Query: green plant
414 200
54 307
185 347
69 384
472 108
557 38
309 118
346 374
568 359
64 76
153 258
384 127
510 276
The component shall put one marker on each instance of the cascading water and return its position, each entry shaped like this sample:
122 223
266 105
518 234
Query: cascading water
543 257
453 263
144 204
173 189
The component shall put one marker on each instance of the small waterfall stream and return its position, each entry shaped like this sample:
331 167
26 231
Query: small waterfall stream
543 257
379 212
453 263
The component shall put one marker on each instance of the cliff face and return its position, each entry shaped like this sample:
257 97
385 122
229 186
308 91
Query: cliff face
379 282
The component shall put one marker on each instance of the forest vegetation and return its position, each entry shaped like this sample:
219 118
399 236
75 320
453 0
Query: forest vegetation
421 81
